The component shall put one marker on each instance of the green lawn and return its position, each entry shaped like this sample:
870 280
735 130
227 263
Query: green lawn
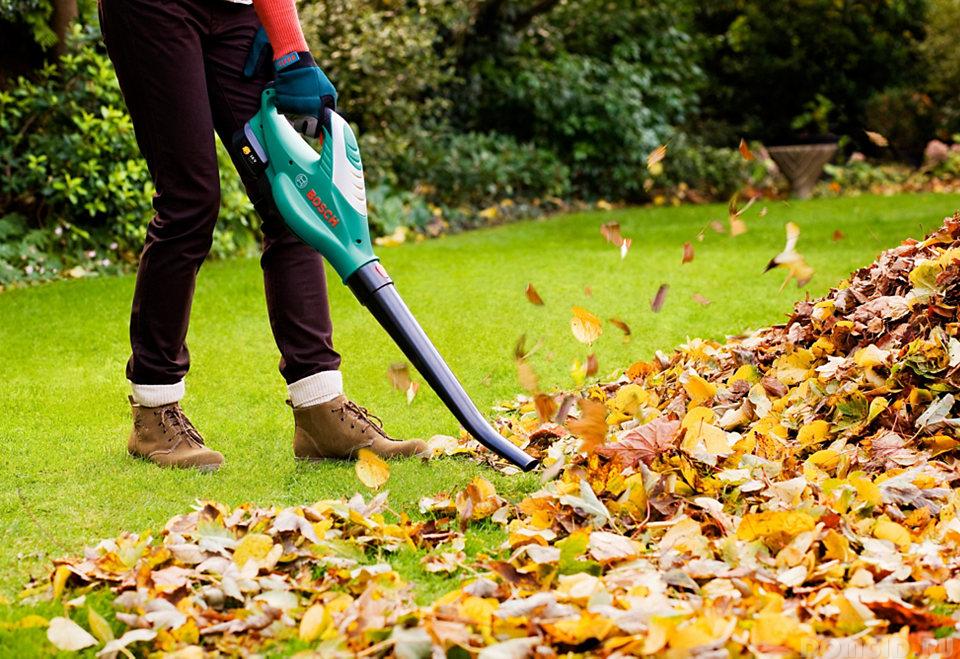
67 480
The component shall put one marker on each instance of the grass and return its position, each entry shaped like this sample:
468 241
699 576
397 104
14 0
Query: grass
68 482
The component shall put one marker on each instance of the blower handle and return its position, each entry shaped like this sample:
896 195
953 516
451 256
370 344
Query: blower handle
375 290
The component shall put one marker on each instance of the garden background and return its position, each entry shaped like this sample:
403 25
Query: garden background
481 111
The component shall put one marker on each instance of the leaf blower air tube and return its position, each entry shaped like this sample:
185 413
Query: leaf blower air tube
375 290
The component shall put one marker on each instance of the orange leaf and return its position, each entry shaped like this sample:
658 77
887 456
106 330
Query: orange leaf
687 253
745 150
591 427
620 325
534 296
657 155
877 139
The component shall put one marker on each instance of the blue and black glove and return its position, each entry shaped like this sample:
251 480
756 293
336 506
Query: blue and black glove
303 89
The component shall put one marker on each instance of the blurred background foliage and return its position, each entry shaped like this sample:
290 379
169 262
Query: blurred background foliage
477 111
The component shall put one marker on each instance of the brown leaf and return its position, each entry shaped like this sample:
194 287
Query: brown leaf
745 150
591 427
700 299
838 235
687 253
611 233
534 296
588 291
620 325
657 303
644 443
399 376
546 407
877 139
592 366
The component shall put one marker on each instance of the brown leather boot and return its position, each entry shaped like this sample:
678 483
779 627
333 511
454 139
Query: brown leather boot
164 435
339 428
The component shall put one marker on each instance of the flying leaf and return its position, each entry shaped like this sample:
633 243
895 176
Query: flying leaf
371 469
546 407
625 247
585 326
620 325
68 636
591 366
790 260
657 303
745 150
656 156
591 427
534 296
527 377
838 235
877 139
611 233
687 253
399 376
412 391
700 299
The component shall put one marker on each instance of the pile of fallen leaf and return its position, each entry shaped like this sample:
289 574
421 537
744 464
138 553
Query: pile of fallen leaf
790 492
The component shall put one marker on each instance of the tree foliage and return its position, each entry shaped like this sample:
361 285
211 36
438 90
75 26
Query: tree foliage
781 68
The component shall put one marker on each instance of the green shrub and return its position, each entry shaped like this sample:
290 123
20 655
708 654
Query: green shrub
601 84
713 172
73 167
769 62
941 55
906 117
478 170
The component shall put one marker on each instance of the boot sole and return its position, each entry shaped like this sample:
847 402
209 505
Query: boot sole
203 469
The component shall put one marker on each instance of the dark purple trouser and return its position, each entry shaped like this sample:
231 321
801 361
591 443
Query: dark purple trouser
180 67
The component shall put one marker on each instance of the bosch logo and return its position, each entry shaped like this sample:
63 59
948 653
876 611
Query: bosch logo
321 207
301 181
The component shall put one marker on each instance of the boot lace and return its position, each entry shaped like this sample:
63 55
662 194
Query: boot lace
363 416
174 419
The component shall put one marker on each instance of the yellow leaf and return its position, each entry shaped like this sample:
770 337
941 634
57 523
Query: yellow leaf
586 327
657 155
813 433
866 488
699 389
837 547
60 577
877 405
778 629
870 356
885 529
99 626
827 459
314 622
253 546
775 527
371 469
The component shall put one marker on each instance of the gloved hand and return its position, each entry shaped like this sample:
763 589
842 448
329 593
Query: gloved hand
302 87
303 90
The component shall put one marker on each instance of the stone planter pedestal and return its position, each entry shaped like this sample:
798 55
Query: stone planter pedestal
802 164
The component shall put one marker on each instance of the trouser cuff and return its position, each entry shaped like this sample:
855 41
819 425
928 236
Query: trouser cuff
316 389
155 395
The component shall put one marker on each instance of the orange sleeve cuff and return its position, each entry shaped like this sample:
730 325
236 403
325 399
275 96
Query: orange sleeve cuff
279 18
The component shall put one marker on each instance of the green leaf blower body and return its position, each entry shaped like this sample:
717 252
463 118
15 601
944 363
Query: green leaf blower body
322 198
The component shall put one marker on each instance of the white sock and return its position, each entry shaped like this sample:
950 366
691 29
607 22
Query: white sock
316 389
155 395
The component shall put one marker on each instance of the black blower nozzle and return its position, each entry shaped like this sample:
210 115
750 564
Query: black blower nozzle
375 290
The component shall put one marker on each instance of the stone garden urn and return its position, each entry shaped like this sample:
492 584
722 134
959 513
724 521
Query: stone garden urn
802 164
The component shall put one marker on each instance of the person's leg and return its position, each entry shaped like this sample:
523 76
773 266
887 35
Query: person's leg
293 273
327 424
156 49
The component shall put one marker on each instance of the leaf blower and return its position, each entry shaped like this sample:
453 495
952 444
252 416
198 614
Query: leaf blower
322 199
